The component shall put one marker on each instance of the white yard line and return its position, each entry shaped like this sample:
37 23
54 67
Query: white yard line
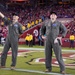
34 71
23 48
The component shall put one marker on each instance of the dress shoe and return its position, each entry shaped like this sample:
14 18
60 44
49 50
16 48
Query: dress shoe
2 67
47 70
63 72
12 67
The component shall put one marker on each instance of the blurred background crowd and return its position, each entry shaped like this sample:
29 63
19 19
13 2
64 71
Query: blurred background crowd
33 12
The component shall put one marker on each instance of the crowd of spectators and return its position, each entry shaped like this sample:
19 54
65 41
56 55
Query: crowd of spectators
32 16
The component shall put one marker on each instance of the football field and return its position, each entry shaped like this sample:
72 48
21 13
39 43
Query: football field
31 61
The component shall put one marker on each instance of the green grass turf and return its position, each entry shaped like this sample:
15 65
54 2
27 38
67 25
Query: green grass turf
21 63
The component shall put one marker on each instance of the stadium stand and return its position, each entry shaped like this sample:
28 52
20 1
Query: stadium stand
32 18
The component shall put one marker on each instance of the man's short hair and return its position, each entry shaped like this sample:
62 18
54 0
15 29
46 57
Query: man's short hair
52 12
15 14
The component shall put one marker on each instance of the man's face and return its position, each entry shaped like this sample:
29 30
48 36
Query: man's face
53 17
15 18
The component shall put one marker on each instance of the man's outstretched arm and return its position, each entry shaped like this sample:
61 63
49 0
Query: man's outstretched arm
5 19
2 15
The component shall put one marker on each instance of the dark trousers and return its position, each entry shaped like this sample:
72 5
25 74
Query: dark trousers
14 47
71 43
49 46
26 42
31 43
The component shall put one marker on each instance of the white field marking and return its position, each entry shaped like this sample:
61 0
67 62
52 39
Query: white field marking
72 55
37 60
22 48
34 71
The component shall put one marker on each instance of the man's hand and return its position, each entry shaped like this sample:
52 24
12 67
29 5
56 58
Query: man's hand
44 37
55 41
1 15
58 40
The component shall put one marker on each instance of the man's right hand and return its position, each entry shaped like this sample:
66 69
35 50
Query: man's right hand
1 15
44 37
